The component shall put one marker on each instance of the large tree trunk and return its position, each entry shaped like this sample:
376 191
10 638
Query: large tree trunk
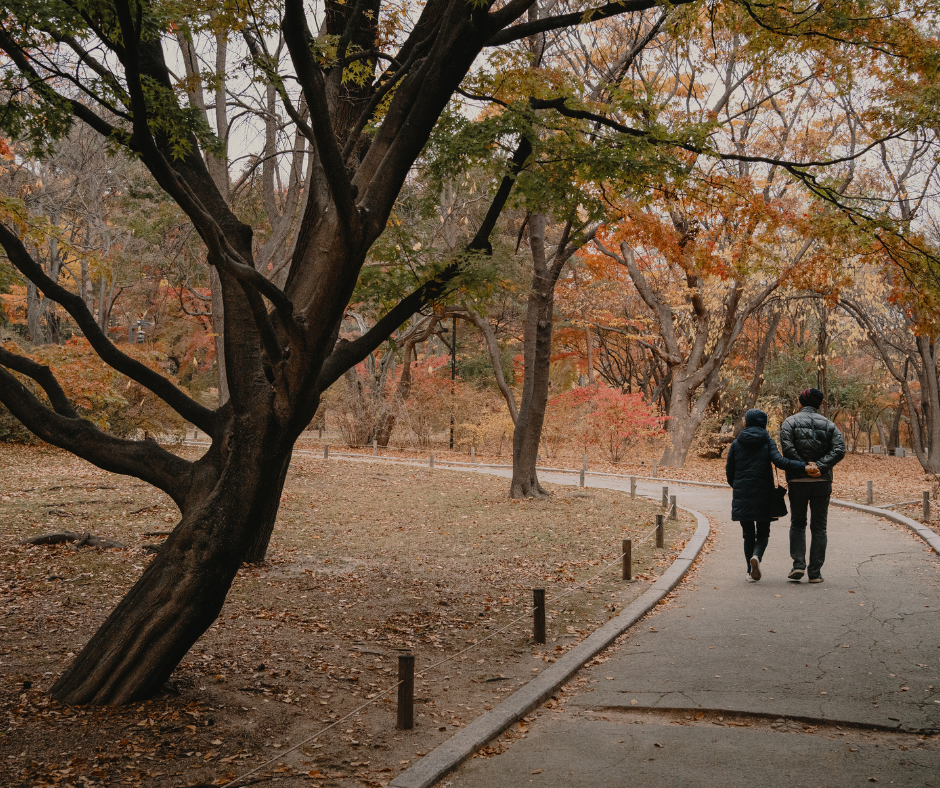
685 415
537 352
181 592
680 432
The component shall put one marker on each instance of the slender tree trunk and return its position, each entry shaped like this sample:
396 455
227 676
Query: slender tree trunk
760 364
492 347
34 310
537 353
181 592
218 328
893 438
589 344
822 347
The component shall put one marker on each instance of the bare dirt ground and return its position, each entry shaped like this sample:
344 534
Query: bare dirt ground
367 562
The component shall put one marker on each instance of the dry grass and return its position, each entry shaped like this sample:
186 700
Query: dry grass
367 561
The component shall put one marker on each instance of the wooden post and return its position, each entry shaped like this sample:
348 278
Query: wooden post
538 614
585 461
926 506
660 531
673 509
473 454
431 460
581 478
326 451
319 433
406 692
375 448
870 497
633 486
665 497
627 559
655 470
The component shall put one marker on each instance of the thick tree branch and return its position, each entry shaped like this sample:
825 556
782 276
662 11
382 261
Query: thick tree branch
44 377
481 241
526 29
188 408
297 37
347 354
145 460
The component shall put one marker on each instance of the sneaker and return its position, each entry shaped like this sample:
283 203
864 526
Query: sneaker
749 578
795 575
755 568
816 579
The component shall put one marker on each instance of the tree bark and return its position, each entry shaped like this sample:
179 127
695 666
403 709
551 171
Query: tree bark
181 592
760 364
492 347
537 351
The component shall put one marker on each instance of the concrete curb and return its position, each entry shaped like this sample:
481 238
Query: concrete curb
929 536
447 756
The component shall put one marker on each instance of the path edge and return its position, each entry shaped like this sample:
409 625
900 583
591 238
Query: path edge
448 755
928 535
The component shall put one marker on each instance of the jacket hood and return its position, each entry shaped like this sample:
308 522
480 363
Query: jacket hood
755 418
753 436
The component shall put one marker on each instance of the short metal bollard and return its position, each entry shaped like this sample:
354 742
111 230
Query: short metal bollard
660 531
538 615
326 451
633 486
627 559
431 460
581 478
870 494
665 497
673 509
926 506
406 692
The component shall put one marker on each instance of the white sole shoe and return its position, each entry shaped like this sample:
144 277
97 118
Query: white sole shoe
755 568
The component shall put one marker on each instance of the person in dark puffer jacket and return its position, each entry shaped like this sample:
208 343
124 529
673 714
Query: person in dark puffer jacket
810 437
749 473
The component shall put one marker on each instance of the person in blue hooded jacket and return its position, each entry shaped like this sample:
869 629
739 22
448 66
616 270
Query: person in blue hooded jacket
749 472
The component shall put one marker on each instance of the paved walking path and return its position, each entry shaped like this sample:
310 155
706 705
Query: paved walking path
770 683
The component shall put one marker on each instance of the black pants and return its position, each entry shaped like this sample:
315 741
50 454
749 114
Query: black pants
756 537
816 495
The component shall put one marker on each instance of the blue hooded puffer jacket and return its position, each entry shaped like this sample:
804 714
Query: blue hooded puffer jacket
748 468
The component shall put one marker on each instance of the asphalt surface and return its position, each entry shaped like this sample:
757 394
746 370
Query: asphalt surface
774 683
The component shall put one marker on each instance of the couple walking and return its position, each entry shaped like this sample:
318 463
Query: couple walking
812 445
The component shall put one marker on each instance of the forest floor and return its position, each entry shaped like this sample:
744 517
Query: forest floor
367 562
895 479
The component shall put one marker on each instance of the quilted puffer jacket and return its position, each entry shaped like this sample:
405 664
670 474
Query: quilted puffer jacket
811 437
748 471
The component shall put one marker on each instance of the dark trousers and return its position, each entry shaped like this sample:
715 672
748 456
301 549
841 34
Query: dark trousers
816 496
756 537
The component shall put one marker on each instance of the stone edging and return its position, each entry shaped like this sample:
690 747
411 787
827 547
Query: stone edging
929 536
451 753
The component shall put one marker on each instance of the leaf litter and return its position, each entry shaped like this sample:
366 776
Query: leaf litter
367 562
